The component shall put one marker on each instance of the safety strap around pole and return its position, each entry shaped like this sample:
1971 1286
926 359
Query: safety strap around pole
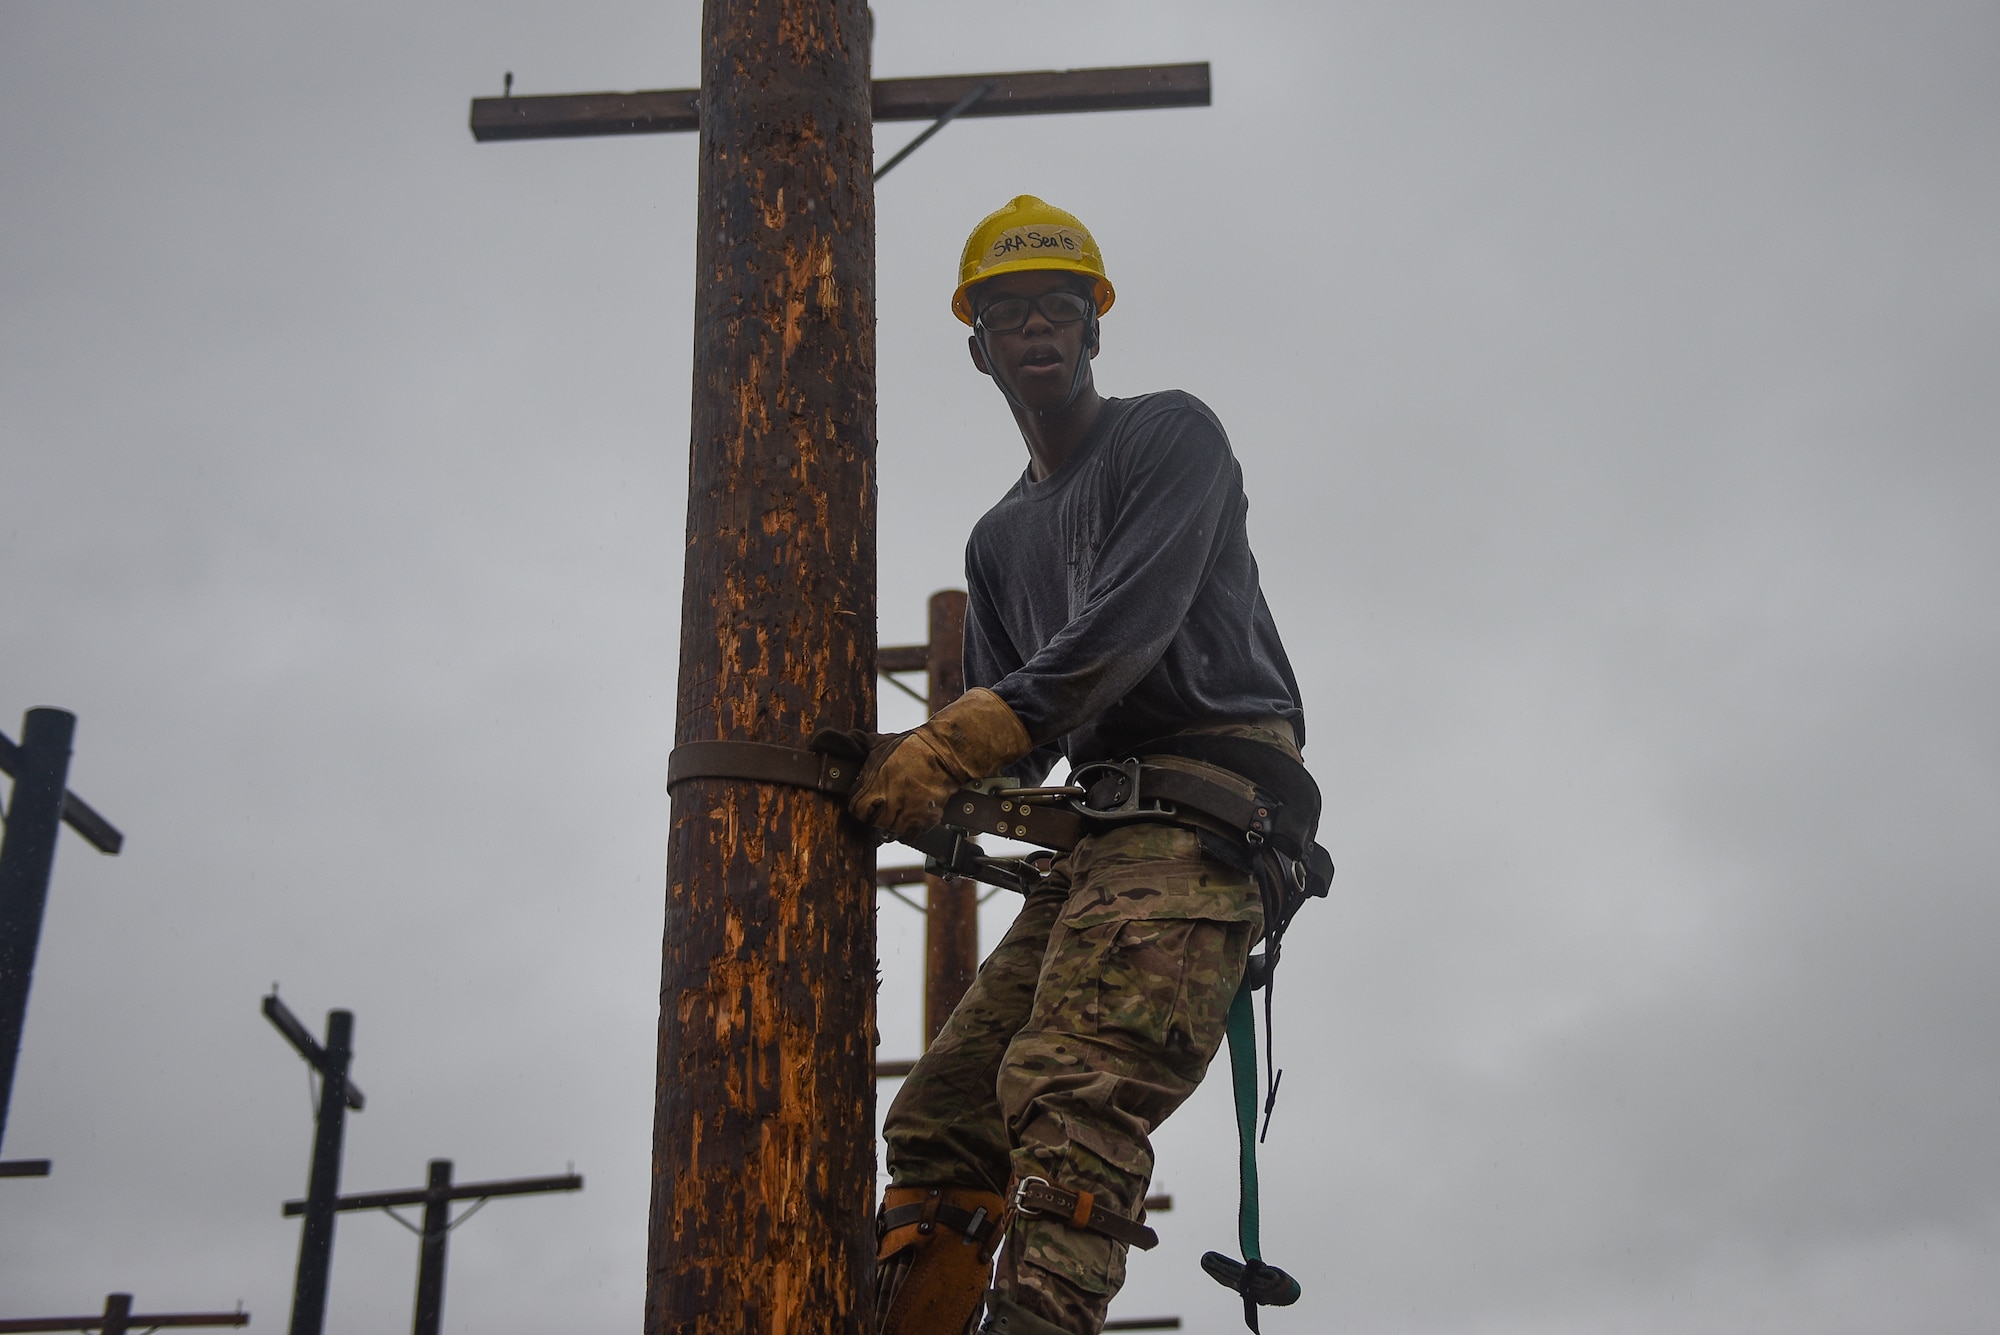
763 762
969 809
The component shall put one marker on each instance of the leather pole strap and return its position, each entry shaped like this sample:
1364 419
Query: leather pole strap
968 809
1234 807
1034 1196
762 762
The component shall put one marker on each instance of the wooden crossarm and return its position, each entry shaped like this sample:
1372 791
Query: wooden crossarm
137 1321
78 814
281 1017
1025 93
461 1191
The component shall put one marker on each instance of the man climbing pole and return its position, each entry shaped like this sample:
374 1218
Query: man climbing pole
1115 618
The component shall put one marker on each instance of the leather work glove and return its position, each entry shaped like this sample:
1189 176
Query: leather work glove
855 744
903 785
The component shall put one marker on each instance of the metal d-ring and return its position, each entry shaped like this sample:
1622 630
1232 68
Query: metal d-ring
1133 807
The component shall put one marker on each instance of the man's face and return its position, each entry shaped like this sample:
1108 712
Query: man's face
1038 361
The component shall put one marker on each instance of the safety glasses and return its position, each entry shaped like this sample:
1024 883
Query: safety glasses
1007 314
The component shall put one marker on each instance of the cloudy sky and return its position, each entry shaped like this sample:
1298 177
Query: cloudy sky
1615 387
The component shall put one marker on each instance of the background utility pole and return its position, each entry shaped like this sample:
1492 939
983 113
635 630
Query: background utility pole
436 1197
951 908
336 1095
763 1156
119 1319
40 804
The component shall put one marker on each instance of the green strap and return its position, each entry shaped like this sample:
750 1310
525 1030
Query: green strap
1243 1075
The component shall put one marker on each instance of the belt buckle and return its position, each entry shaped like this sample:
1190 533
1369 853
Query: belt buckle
1021 1190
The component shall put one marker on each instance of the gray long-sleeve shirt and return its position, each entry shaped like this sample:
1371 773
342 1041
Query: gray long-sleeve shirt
1116 601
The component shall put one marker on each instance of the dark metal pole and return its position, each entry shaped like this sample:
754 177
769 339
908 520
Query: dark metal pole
430 1253
951 918
763 1154
27 854
323 1186
117 1313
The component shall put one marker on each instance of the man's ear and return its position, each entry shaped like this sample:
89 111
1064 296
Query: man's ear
978 354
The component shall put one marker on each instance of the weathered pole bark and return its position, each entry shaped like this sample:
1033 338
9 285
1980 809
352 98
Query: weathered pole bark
951 917
763 1154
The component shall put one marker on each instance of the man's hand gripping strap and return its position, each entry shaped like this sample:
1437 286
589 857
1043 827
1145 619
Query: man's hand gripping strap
1051 817
831 767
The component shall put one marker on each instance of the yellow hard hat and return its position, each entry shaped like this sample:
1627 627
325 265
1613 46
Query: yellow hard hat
1027 234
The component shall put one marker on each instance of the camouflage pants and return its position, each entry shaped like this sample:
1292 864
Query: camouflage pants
1092 1020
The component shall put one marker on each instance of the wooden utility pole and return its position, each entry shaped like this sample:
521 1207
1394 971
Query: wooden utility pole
763 1154
337 1094
41 805
436 1197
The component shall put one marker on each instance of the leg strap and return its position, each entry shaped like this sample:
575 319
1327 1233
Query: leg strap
1039 1197
940 1208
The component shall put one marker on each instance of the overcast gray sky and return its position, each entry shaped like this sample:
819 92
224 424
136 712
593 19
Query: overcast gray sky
1615 387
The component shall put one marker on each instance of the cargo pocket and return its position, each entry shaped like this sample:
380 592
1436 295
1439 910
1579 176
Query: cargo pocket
1139 980
1155 871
